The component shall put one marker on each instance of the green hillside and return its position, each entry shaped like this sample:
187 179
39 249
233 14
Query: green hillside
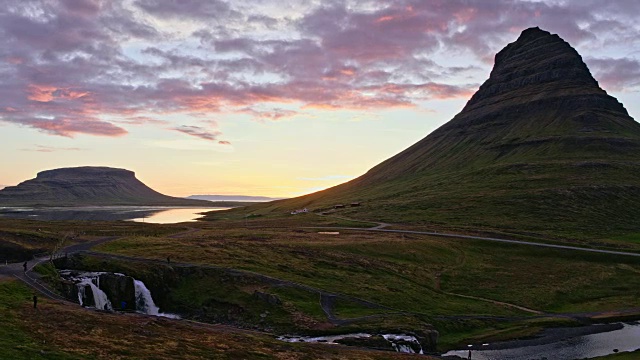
539 148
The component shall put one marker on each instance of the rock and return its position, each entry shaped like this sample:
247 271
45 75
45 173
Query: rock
119 288
68 289
428 339
268 298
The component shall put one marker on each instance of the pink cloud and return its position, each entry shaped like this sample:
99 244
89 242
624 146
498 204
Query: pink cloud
616 74
70 127
273 114
199 132
67 65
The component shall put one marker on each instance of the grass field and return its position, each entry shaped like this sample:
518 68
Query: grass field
401 272
464 288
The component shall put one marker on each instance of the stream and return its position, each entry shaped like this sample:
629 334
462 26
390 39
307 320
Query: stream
399 342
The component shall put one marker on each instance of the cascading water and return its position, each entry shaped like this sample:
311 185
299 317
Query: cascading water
100 299
144 301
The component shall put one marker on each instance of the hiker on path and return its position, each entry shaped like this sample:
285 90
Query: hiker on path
24 266
35 301
169 259
469 357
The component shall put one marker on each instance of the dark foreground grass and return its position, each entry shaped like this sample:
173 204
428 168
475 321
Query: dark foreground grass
16 340
65 331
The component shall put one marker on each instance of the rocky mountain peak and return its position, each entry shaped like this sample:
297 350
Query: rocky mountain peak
538 64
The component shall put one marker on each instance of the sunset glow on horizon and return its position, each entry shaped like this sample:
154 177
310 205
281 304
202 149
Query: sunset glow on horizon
253 97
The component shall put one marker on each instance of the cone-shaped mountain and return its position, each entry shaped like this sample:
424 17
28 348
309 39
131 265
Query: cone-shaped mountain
539 147
84 186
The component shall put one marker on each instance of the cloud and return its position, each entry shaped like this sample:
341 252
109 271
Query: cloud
142 120
273 114
198 132
616 74
73 67
49 149
192 9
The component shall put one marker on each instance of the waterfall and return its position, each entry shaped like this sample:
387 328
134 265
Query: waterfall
99 297
144 301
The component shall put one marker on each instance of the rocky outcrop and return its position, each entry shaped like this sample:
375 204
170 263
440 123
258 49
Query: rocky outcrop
428 339
84 186
119 289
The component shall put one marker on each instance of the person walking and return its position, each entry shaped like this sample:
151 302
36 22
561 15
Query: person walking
35 301
24 266
469 357
169 259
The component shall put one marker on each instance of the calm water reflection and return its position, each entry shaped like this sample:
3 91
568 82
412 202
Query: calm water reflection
582 347
170 216
157 214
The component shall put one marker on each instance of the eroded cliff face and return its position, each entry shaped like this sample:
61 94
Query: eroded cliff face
87 186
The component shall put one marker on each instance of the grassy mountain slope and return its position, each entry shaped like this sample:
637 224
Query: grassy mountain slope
539 148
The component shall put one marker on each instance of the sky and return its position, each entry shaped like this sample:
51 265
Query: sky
265 97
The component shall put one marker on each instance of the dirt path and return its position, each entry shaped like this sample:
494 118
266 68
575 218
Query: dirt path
501 303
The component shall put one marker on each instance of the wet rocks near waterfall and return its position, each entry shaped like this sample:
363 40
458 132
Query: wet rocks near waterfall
86 288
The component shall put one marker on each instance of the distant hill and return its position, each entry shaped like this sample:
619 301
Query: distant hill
540 148
241 198
85 186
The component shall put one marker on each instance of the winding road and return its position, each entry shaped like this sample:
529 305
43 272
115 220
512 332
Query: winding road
472 237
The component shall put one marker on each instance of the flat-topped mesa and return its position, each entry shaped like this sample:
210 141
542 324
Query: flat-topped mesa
88 186
85 171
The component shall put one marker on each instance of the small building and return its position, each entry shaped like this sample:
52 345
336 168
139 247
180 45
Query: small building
300 211
338 206
354 204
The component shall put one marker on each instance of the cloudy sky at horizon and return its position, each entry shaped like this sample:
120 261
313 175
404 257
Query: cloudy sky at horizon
263 97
